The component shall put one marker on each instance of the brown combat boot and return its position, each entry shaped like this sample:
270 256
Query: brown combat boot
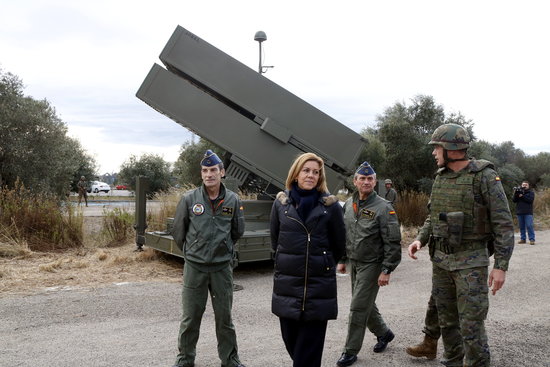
428 348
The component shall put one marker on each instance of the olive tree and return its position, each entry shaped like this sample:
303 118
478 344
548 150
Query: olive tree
152 166
187 166
34 146
405 131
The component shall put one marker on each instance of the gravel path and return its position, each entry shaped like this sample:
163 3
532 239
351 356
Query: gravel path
135 324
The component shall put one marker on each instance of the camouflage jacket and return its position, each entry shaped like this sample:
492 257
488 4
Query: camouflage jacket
476 194
372 231
82 186
391 196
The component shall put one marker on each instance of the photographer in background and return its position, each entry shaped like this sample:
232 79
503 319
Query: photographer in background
524 197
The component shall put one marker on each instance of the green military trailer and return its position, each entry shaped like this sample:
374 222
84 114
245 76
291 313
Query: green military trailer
262 127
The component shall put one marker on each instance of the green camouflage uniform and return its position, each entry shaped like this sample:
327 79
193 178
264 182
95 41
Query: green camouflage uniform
391 196
372 244
206 232
468 211
82 186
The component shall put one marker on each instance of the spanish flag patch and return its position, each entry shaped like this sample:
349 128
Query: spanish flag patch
392 212
497 178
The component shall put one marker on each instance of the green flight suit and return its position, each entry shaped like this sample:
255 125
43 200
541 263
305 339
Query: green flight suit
206 230
372 244
468 211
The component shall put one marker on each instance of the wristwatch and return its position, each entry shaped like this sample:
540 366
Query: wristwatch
386 271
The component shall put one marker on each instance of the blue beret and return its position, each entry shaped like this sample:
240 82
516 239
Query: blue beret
365 169
210 159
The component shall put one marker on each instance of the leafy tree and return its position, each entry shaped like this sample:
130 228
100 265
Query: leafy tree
405 131
535 167
545 181
152 166
34 146
374 152
510 175
482 149
187 166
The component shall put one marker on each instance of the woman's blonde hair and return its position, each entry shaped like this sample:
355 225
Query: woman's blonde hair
297 166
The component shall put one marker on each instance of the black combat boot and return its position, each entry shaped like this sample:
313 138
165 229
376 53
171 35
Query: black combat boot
346 360
383 341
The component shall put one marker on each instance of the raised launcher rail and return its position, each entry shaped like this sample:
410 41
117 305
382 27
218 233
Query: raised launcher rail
262 126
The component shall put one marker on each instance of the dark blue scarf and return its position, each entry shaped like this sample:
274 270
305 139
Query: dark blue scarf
304 200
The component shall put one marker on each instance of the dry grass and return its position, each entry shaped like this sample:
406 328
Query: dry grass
85 268
24 271
156 221
40 222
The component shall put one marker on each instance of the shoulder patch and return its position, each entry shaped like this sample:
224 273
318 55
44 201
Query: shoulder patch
392 212
497 178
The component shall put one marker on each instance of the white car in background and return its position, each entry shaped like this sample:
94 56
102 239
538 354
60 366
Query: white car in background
98 186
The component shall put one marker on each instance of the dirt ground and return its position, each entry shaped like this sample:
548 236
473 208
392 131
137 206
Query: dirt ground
117 307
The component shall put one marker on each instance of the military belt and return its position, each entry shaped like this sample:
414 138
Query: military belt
442 244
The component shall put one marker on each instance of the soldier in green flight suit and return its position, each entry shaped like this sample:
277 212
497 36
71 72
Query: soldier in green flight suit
373 251
208 221
469 219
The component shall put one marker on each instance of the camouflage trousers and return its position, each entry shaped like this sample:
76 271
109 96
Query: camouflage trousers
196 285
431 322
462 302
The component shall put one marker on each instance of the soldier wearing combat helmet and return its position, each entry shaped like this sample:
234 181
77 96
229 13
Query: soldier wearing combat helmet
468 219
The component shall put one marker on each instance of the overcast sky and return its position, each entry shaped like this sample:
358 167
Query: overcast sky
489 60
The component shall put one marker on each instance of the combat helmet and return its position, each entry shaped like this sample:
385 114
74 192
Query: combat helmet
451 137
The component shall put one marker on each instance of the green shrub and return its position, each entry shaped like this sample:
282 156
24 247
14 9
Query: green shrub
118 226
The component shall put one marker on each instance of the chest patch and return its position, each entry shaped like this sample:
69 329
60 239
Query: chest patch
367 214
465 180
227 210
198 209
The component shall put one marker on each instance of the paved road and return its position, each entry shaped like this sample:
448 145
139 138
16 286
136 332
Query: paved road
135 324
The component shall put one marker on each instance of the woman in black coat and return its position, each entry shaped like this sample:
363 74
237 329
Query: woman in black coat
308 236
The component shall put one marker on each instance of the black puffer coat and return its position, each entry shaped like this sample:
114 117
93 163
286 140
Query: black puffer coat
306 254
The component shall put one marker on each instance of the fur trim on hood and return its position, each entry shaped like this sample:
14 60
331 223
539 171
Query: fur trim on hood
327 200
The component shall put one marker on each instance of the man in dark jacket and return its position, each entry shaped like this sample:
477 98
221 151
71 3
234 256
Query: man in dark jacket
524 197
373 250
208 221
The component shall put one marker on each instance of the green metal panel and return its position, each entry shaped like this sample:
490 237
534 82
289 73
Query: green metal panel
310 129
251 147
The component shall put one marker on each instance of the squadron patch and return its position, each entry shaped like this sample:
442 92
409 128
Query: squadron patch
369 214
198 209
227 210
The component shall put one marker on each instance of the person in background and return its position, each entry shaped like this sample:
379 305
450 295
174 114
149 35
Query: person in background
373 250
208 222
82 186
391 194
308 237
524 197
